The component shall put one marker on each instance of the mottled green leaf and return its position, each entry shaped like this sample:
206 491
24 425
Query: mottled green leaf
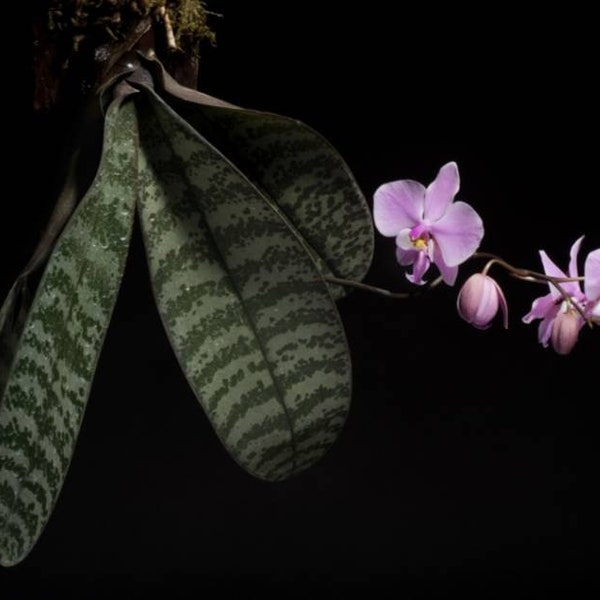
296 169
79 174
54 363
304 176
251 321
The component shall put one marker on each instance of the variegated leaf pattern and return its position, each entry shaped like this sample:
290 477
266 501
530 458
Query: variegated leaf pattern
253 326
302 175
54 364
296 168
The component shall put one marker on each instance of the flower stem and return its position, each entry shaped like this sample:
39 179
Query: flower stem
519 273
367 288
536 277
525 274
380 291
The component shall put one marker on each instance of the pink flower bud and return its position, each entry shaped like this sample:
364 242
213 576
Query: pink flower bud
565 330
479 299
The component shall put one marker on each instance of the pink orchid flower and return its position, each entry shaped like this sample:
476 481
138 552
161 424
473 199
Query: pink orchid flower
591 273
428 226
560 322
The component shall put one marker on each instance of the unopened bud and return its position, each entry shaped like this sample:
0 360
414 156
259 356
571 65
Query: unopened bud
565 331
479 299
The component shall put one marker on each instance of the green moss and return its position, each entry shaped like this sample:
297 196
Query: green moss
103 20
190 21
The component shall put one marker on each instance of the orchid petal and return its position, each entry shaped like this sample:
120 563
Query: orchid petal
541 308
573 257
458 233
594 311
448 273
553 271
403 240
419 269
545 331
571 288
591 271
406 257
441 192
398 205
550 267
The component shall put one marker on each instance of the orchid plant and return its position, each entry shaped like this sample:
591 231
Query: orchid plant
252 224
429 227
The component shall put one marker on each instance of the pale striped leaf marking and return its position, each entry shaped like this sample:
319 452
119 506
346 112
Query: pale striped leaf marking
296 168
253 325
303 175
51 375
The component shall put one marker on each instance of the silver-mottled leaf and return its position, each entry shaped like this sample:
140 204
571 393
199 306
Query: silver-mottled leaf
251 321
296 169
56 356
303 176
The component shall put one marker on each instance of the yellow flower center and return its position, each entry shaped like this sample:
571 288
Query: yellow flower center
419 237
420 243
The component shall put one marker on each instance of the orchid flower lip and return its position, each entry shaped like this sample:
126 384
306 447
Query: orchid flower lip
418 231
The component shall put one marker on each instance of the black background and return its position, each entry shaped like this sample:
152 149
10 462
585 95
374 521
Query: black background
468 460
